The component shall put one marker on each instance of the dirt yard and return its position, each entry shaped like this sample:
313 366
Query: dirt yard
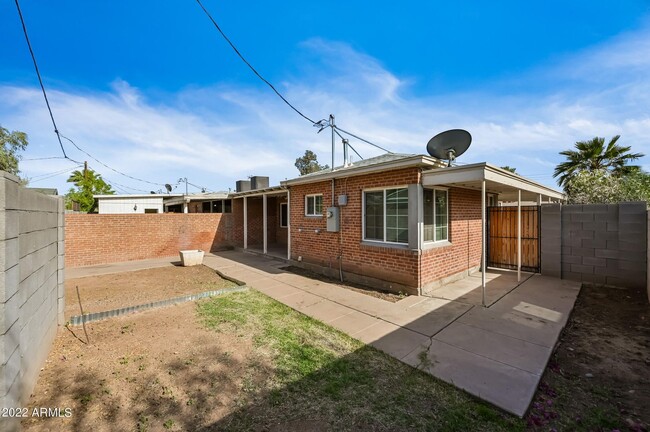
141 372
599 376
145 371
112 291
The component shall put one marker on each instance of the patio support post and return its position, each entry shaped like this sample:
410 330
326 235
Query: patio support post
288 224
539 199
245 223
519 235
264 222
483 240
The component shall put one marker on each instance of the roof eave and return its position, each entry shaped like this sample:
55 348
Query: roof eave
414 161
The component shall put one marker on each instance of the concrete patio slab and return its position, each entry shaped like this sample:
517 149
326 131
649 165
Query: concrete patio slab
353 322
505 386
281 291
400 343
469 290
326 311
514 324
268 284
375 332
428 321
514 352
301 300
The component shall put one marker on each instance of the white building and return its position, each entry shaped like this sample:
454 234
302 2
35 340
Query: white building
131 204
213 202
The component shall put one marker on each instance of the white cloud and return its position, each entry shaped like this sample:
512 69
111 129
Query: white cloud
218 134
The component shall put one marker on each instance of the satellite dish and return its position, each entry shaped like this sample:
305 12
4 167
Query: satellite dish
168 187
449 144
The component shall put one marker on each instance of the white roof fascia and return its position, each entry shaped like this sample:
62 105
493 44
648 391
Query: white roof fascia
273 190
485 171
125 196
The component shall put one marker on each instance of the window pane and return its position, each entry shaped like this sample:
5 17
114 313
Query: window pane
374 213
206 206
441 209
310 205
428 215
227 206
397 205
318 204
217 206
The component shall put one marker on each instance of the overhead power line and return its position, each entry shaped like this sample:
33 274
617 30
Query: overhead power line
232 45
350 145
361 139
49 109
44 158
40 80
250 66
118 185
110 168
53 174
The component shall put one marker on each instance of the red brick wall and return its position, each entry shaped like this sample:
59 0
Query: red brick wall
255 218
101 239
465 237
238 222
323 248
275 234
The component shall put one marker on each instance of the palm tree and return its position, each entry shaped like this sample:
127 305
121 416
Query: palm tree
594 155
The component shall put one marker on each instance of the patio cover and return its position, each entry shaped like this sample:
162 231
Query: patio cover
490 179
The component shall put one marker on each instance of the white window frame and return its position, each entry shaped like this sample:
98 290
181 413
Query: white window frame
363 215
435 240
287 221
307 207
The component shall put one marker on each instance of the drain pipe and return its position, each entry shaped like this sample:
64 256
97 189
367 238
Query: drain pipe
340 257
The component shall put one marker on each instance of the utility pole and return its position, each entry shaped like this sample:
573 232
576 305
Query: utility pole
333 143
85 169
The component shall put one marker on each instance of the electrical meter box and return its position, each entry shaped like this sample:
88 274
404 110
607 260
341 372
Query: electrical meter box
332 219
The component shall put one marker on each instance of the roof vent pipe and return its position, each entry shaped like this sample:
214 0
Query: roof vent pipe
346 159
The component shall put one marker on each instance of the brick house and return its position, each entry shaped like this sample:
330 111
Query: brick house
395 222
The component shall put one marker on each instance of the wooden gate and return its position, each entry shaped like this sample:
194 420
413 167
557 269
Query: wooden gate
502 238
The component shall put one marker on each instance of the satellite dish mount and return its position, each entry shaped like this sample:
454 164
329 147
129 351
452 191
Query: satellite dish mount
449 144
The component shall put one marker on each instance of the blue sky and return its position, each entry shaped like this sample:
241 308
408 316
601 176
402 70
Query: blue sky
152 90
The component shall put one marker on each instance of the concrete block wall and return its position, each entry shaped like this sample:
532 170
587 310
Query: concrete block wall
596 243
31 287
108 238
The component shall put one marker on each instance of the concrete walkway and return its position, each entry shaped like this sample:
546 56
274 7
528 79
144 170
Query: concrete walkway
498 353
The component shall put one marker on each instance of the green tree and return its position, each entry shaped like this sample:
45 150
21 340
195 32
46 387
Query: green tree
594 155
87 183
604 187
309 163
12 143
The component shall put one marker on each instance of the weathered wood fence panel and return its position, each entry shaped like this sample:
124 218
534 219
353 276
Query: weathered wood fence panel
502 238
